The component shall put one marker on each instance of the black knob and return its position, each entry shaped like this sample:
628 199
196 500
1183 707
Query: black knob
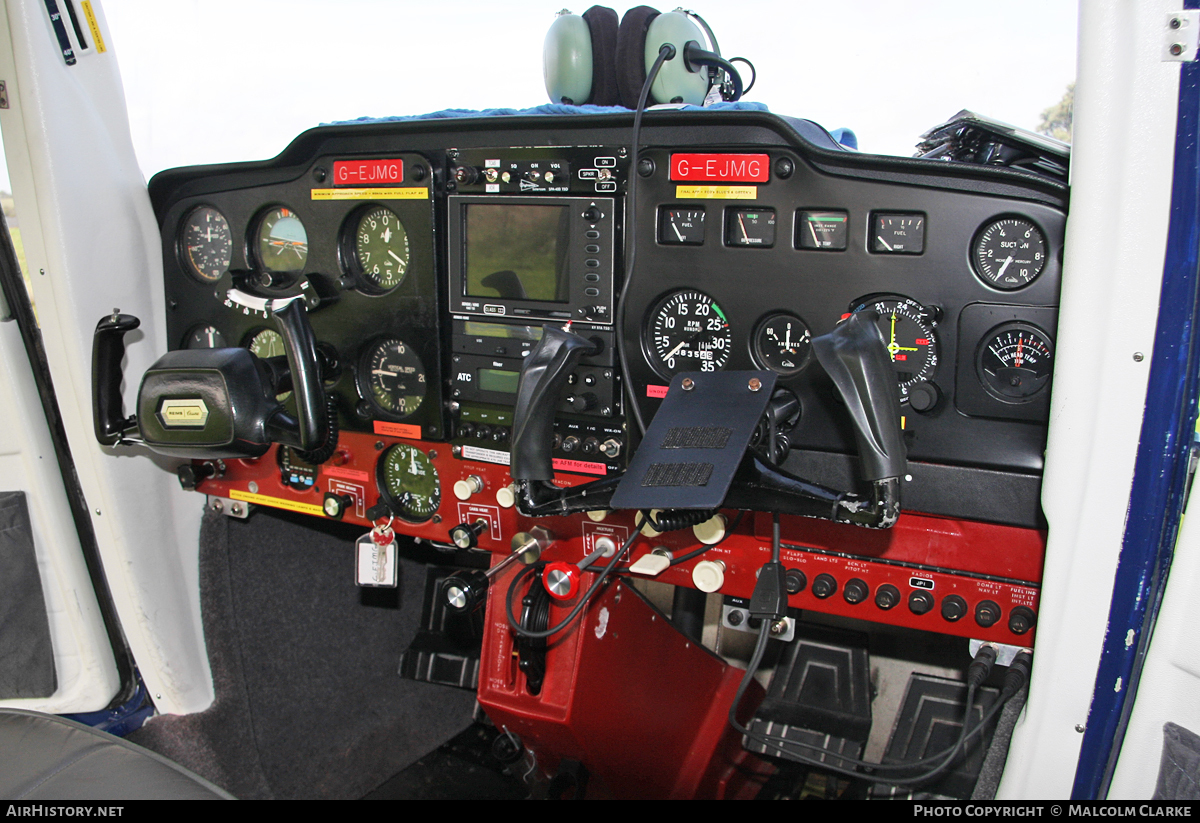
465 175
499 434
591 214
335 505
987 613
190 476
856 591
584 401
463 591
590 445
825 585
953 607
483 431
466 535
887 596
466 429
920 602
795 581
1021 620
570 443
923 397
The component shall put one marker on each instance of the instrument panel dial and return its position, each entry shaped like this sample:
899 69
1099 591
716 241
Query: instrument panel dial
908 332
392 377
281 241
1009 253
687 331
408 482
380 252
206 244
782 343
1015 361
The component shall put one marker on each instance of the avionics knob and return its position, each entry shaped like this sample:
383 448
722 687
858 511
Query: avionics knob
466 535
953 607
584 401
856 591
987 613
923 397
825 585
887 596
1021 620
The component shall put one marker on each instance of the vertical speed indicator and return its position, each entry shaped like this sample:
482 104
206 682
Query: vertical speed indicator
687 331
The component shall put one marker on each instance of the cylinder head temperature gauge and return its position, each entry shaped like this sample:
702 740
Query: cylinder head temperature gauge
1014 362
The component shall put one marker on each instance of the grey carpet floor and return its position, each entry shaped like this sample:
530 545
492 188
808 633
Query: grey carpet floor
308 702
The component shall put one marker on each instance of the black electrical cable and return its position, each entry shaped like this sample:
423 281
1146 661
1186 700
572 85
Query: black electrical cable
515 624
665 52
753 73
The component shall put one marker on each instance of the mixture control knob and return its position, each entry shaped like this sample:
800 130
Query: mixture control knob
953 607
466 535
987 613
468 486
1021 620
825 585
561 578
856 591
709 576
463 591
920 602
887 596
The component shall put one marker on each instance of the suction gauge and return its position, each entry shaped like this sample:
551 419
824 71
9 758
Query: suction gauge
1009 253
1014 362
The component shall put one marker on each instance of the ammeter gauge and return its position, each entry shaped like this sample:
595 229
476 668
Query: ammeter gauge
782 343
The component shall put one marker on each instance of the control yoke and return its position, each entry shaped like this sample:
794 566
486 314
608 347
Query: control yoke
213 403
853 355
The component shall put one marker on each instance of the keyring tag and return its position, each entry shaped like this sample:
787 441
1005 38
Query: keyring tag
375 558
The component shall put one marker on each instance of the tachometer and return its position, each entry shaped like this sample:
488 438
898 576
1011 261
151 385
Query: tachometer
907 328
687 331
392 377
380 249
408 481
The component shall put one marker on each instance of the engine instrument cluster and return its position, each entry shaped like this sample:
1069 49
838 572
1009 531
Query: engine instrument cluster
430 255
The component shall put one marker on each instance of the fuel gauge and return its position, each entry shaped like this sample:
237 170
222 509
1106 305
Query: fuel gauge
680 226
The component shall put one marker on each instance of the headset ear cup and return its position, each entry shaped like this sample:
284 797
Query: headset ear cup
603 23
567 60
631 53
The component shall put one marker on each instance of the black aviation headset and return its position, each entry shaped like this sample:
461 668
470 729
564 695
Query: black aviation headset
594 59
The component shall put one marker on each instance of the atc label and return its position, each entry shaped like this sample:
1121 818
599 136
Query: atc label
368 172
721 168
